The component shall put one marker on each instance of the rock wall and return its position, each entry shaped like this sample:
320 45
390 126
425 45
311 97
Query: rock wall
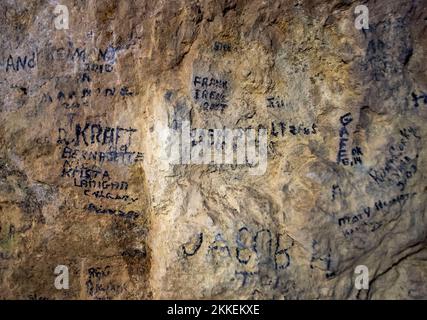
87 181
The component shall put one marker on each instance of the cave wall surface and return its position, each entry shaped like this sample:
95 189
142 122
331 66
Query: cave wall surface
88 116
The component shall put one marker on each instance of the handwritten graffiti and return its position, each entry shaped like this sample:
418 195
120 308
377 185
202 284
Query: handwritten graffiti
210 93
344 137
188 252
277 102
122 156
18 63
400 166
99 284
93 133
85 55
220 46
336 192
262 246
419 98
322 258
84 168
371 218
280 129
112 212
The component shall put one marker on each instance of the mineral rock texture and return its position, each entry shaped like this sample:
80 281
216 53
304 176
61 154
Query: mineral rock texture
91 185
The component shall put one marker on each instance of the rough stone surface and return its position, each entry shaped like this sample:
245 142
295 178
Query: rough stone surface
85 183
